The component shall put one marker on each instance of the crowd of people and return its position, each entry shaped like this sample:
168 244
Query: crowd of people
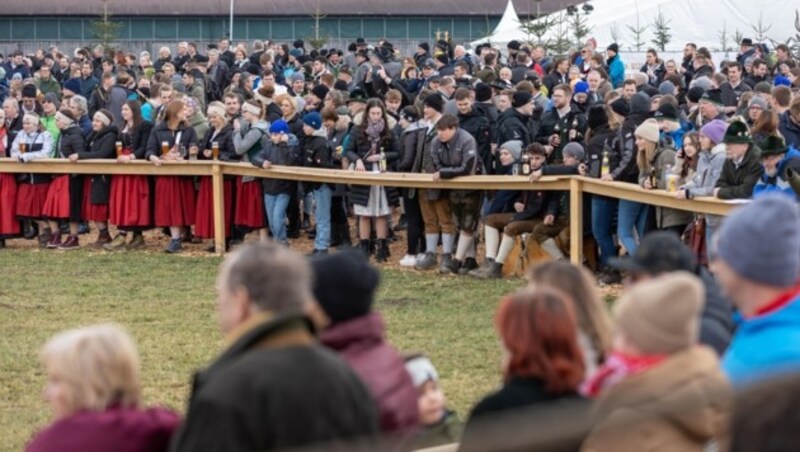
728 129
684 363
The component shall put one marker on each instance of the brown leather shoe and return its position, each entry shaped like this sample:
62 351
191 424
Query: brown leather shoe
71 243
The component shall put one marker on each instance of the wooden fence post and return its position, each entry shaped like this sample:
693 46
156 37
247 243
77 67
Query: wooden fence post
219 208
576 221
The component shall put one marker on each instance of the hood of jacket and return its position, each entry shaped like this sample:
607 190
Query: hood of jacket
362 331
390 121
688 391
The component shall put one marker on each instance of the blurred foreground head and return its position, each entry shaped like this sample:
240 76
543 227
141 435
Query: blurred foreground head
259 278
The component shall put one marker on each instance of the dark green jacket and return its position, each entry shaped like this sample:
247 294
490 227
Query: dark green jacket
737 181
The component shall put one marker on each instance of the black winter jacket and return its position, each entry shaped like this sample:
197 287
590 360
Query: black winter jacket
227 151
513 125
738 182
790 130
479 126
276 388
277 154
358 148
101 145
551 124
602 139
70 142
623 164
162 133
136 139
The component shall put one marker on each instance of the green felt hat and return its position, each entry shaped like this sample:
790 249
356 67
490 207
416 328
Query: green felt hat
737 133
773 145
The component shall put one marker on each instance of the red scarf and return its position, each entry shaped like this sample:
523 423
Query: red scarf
3 134
617 367
779 302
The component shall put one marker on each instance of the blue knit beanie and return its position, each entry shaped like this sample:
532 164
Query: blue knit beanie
279 126
761 241
313 120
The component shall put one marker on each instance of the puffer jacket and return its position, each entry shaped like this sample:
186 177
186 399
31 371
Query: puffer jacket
623 165
70 142
457 157
284 154
737 181
359 148
678 405
666 217
779 182
317 154
361 342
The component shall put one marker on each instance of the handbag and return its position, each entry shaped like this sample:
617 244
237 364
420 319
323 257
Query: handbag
695 238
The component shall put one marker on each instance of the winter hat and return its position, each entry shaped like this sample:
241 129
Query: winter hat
514 147
715 130
320 91
763 88
621 107
666 87
614 47
662 315
575 150
52 98
758 101
443 58
640 104
410 113
424 46
340 85
421 370
358 95
434 101
73 85
483 92
596 116
514 45
651 91
521 98
344 285
648 130
713 96
782 80
313 120
581 88
772 145
703 82
771 262
747 42
737 133
29 91
667 112
694 94
297 53
298 44
298 77
279 126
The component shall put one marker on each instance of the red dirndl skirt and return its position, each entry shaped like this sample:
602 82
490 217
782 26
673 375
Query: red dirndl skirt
249 204
204 218
92 212
174 201
129 202
9 225
30 200
56 206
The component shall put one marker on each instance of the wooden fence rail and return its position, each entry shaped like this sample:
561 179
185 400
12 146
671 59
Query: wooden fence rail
576 185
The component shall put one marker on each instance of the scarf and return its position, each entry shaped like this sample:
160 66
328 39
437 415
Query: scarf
374 131
617 367
3 134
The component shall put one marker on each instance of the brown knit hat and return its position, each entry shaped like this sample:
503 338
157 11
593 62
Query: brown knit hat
662 315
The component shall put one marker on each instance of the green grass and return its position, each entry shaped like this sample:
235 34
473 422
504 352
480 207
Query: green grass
167 303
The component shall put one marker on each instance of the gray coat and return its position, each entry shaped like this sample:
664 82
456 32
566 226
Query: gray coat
665 217
709 168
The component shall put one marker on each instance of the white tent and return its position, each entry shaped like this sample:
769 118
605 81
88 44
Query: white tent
698 21
508 24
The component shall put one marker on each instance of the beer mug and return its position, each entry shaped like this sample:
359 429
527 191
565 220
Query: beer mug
215 150
672 183
23 147
119 148
164 148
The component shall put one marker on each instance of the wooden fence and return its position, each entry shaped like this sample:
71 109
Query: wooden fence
575 185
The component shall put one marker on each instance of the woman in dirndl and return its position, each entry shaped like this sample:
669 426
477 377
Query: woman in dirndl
9 224
65 196
33 143
175 203
220 134
371 147
248 133
130 207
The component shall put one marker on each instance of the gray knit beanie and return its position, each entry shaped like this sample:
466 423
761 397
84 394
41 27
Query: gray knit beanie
640 103
702 82
575 150
761 241
514 147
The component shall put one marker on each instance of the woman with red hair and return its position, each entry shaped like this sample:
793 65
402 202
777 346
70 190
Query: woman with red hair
543 368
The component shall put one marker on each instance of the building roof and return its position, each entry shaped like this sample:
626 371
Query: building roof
278 7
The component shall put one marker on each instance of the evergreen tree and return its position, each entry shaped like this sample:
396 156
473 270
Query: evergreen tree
318 39
662 34
105 30
637 33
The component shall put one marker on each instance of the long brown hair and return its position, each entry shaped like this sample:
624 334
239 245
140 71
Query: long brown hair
537 327
766 123
592 315
689 163
136 112
171 114
374 103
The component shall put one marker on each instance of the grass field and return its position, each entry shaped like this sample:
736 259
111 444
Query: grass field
167 303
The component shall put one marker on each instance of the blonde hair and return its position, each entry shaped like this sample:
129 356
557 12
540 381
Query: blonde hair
285 97
645 156
99 366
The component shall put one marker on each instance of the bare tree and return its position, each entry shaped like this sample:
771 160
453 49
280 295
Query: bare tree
616 33
637 33
724 39
760 28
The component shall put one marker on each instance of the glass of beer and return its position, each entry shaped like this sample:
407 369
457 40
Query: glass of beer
672 182
23 147
215 150
119 148
164 148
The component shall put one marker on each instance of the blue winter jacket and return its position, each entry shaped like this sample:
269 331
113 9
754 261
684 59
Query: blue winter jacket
616 71
777 183
765 346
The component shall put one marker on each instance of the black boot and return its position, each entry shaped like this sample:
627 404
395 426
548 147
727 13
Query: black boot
336 236
345 235
29 229
363 245
383 251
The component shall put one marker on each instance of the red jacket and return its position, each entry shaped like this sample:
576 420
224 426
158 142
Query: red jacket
117 429
362 343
